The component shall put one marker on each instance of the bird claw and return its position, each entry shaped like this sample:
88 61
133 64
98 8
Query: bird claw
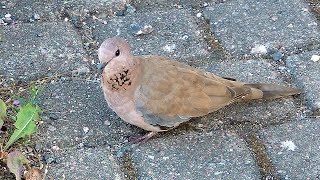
141 139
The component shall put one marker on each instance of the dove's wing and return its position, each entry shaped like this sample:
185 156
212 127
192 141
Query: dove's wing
170 92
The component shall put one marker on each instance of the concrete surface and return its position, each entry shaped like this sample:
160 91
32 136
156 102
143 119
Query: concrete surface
294 148
81 138
30 51
203 155
306 73
274 24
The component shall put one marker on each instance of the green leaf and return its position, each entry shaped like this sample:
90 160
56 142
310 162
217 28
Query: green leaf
15 161
3 112
35 92
25 123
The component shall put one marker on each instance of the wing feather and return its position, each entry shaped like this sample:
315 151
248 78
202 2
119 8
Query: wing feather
171 92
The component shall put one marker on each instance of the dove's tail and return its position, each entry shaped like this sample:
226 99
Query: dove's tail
270 91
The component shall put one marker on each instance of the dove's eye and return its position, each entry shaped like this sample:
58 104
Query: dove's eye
117 52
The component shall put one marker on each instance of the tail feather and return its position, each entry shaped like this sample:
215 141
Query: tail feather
273 91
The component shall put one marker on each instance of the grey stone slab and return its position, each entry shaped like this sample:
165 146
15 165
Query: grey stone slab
212 155
160 4
243 24
76 115
88 163
31 51
101 8
175 35
307 76
263 112
24 10
294 148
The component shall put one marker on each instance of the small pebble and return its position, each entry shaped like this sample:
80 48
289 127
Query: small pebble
165 157
107 123
259 49
120 12
55 148
29 149
185 37
36 16
282 68
39 35
150 157
37 147
288 145
99 66
7 19
277 56
130 9
199 15
122 151
169 47
82 70
315 58
85 129
138 29
52 128
48 159
7 16
76 21
53 116
274 18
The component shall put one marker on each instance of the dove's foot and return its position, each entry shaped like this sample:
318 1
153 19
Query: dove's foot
142 139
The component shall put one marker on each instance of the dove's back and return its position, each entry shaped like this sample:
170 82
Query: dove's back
170 92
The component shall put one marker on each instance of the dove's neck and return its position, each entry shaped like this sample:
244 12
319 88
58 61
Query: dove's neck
121 77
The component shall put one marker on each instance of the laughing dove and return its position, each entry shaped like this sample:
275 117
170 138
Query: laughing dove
157 94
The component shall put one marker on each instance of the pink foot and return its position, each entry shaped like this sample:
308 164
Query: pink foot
142 139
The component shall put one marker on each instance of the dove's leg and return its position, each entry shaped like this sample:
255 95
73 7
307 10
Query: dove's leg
142 139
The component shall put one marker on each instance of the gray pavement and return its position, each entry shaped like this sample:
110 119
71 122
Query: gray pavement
306 73
81 138
30 51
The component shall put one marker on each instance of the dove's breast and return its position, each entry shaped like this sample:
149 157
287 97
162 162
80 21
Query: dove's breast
121 99
125 109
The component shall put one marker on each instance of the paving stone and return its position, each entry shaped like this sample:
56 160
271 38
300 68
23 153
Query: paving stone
244 24
306 74
91 163
101 8
31 51
76 114
263 112
24 10
294 148
212 155
175 35
161 4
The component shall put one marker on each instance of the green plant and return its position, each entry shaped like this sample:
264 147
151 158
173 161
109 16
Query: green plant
3 112
25 125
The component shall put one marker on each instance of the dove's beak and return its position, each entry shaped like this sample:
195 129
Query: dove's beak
101 67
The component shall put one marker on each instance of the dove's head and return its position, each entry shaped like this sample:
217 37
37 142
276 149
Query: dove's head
114 49
116 62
